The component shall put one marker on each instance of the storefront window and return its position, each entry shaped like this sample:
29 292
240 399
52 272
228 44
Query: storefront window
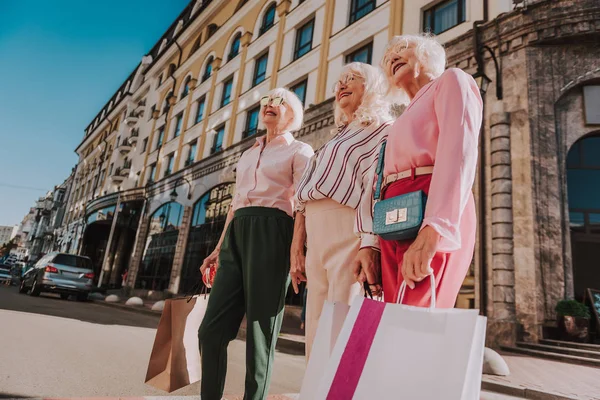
155 271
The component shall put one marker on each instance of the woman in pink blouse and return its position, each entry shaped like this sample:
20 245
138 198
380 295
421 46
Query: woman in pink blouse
431 147
335 198
253 256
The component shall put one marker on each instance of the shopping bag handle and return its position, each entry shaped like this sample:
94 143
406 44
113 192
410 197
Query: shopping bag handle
194 290
403 289
367 290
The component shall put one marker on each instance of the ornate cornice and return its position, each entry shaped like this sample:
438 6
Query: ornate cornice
544 23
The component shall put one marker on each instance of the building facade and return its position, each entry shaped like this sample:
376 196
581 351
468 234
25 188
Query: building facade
157 165
6 234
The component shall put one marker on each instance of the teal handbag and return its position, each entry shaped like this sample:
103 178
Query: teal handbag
398 218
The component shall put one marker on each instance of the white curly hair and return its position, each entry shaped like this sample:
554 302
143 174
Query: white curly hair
429 52
374 106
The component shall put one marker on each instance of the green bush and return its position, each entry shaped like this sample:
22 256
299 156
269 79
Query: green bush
572 308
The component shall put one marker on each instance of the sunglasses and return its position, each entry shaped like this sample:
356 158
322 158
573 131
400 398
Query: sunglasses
275 101
345 80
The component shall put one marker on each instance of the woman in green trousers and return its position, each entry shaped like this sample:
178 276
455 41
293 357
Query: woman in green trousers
252 255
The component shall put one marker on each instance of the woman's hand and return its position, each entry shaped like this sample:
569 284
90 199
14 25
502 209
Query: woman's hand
367 268
211 261
297 266
416 264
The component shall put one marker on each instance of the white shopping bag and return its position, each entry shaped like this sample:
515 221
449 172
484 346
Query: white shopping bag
393 351
330 324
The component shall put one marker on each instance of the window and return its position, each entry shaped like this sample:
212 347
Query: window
360 8
160 78
186 87
363 55
207 69
268 19
170 162
218 140
300 90
235 47
444 16
110 169
251 122
152 109
152 173
191 153
260 69
179 120
196 45
200 109
212 28
144 145
161 136
166 105
73 261
304 38
227 86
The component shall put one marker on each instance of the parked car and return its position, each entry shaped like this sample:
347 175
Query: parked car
66 274
5 275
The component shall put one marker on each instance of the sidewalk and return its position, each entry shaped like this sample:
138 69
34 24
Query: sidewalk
530 378
537 378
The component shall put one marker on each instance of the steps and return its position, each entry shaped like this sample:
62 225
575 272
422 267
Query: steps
576 353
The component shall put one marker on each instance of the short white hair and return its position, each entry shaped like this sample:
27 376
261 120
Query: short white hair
429 51
295 104
374 106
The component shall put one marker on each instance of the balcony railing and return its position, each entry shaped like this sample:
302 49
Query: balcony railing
117 175
125 147
133 137
132 118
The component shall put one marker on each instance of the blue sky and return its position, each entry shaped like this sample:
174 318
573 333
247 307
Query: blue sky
60 62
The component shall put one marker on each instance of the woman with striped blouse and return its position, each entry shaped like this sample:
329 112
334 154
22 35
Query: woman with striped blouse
334 199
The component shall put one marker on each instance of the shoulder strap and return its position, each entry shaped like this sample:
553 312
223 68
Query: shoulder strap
379 171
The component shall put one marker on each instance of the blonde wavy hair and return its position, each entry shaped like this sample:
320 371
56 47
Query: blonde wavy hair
374 107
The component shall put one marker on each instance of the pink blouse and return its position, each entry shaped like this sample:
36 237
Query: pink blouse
440 127
268 174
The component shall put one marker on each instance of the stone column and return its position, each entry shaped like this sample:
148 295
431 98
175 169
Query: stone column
502 323
121 256
138 252
178 259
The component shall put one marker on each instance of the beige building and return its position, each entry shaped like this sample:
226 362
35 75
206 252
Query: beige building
156 168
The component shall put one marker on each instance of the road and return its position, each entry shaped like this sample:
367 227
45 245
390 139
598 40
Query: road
52 347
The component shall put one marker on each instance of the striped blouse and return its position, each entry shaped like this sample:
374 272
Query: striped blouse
343 169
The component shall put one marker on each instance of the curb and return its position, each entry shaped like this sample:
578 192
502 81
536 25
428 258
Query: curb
139 309
519 391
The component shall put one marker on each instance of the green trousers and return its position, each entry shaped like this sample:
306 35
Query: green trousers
252 279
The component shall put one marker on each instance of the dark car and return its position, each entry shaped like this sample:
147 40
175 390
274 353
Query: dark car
66 274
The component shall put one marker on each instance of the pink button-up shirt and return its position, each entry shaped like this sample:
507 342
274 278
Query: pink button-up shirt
267 175
440 127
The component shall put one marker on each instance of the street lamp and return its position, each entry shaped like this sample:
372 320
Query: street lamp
173 195
483 82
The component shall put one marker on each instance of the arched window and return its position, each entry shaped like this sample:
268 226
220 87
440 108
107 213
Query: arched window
208 220
268 19
235 46
186 87
155 271
583 190
208 69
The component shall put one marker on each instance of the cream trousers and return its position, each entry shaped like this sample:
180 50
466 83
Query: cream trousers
331 248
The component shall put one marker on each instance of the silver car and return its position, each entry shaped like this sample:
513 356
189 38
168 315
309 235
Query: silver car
66 274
